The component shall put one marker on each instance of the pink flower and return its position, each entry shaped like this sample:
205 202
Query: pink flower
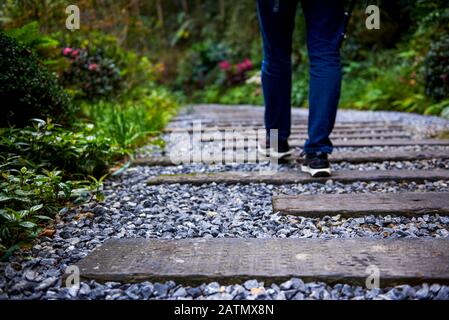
67 51
248 64
224 65
93 67
75 53
241 67
244 66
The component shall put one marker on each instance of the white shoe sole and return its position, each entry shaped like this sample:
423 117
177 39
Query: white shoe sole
317 173
273 154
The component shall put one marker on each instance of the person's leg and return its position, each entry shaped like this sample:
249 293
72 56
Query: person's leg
277 21
325 28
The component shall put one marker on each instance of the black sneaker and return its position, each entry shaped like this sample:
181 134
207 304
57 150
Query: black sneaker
316 164
282 151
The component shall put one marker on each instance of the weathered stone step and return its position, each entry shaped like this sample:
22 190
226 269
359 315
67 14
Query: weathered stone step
293 177
405 204
341 126
353 157
295 136
229 260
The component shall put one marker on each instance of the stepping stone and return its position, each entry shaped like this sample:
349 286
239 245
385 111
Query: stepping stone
352 157
294 177
213 127
351 205
241 136
231 260
355 143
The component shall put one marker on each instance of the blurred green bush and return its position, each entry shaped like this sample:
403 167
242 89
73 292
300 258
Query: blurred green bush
28 89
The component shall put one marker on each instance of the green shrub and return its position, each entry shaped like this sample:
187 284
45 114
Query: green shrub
27 89
242 94
47 48
49 146
118 72
437 69
43 169
195 70
29 198
91 76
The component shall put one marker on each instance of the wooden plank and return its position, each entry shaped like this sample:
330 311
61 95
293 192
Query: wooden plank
231 260
384 143
245 122
204 128
351 205
360 157
242 136
356 143
294 177
367 130
352 157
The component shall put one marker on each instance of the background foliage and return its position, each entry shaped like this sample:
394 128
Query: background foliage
402 66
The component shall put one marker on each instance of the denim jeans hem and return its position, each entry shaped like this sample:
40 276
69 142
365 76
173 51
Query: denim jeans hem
318 149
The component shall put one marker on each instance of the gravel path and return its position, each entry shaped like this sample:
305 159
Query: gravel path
134 209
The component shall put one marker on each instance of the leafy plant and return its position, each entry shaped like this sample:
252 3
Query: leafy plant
45 46
91 76
44 168
49 146
124 71
128 124
29 198
27 89
201 59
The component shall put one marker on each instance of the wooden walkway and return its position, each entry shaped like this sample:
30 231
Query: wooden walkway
342 260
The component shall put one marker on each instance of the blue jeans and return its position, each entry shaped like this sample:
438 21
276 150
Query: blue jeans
325 23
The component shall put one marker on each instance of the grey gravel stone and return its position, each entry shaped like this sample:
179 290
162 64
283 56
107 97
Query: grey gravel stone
180 293
46 283
212 288
423 292
443 294
194 292
250 284
160 290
